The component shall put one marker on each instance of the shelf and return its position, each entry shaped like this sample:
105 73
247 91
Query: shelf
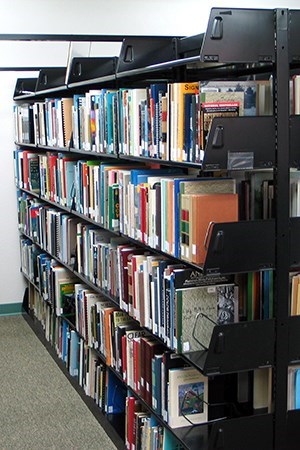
189 46
25 86
236 347
240 143
84 71
294 339
293 430
294 38
294 242
51 80
237 247
33 146
232 25
140 52
247 433
294 141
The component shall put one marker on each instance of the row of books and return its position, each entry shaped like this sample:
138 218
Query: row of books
107 388
179 393
149 287
144 432
82 362
105 192
163 121
150 205
166 299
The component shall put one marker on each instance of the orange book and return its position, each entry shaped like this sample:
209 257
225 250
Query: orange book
107 333
294 294
66 106
204 211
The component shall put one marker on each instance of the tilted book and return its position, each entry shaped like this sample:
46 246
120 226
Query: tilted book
187 397
199 309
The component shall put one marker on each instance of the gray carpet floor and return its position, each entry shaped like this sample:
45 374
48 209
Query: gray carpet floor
39 408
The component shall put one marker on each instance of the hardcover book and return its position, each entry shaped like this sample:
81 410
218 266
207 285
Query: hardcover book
199 309
187 398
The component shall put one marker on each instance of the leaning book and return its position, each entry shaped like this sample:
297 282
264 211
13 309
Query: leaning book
199 309
187 397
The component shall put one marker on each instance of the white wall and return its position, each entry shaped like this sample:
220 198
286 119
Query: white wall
160 17
11 282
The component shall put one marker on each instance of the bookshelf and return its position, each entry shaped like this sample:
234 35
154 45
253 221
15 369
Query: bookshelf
234 145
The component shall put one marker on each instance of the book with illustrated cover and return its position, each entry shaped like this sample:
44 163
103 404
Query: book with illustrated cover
210 110
246 87
199 309
187 397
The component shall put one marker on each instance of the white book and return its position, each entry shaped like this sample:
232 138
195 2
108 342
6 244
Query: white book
187 397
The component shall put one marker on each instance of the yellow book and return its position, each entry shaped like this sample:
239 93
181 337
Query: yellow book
182 89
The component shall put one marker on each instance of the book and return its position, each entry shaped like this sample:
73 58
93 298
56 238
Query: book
198 214
247 87
262 391
66 109
187 397
210 110
74 353
115 394
199 309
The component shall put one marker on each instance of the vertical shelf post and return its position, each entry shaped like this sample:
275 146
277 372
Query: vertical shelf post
282 243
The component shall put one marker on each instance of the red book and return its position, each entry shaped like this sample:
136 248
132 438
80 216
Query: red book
52 176
25 174
154 348
130 403
125 256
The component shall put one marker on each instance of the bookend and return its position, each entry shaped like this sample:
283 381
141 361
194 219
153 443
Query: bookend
87 69
237 346
230 242
226 26
241 136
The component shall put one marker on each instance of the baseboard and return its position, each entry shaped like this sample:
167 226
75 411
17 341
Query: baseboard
9 309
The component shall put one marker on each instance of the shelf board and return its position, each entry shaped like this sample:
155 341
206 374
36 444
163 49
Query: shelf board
237 247
294 141
294 339
85 69
294 37
236 347
231 25
293 429
240 143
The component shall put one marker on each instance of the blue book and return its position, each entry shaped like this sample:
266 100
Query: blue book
116 392
186 126
297 389
160 305
74 353
77 102
156 383
110 121
64 350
